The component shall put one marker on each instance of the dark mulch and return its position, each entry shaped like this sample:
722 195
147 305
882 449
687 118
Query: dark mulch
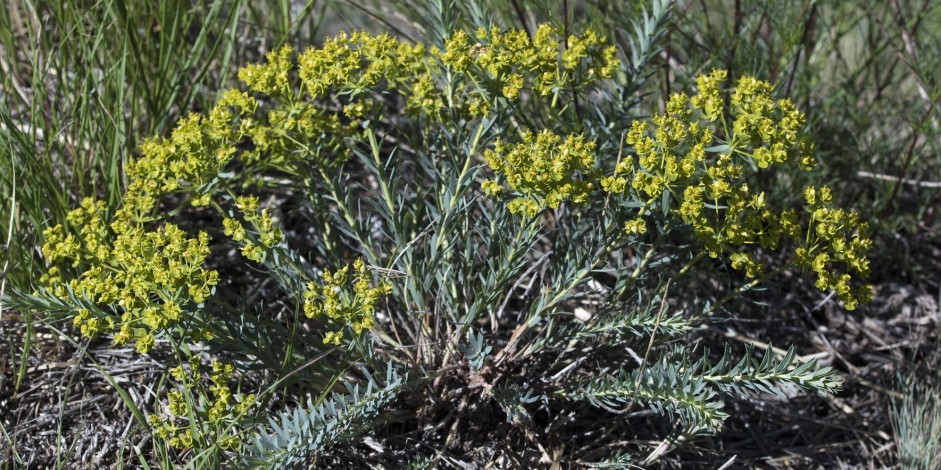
66 413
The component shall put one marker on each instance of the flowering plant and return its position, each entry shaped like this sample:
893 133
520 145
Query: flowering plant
448 209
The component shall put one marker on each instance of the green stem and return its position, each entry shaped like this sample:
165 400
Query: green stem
386 193
444 231
745 287
471 316
348 216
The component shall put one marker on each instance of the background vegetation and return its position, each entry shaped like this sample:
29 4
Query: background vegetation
83 84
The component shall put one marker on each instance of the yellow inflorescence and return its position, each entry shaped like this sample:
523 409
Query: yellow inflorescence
345 299
835 236
255 246
296 131
217 411
150 275
155 275
545 169
512 61
197 150
693 159
357 62
698 160
477 73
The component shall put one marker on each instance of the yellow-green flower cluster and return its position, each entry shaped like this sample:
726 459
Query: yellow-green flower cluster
708 99
296 134
296 130
835 239
147 278
197 150
469 75
770 127
347 300
358 62
215 411
505 63
683 157
92 242
273 77
544 169
691 159
151 276
255 246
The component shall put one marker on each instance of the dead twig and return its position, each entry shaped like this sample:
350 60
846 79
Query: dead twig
899 180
